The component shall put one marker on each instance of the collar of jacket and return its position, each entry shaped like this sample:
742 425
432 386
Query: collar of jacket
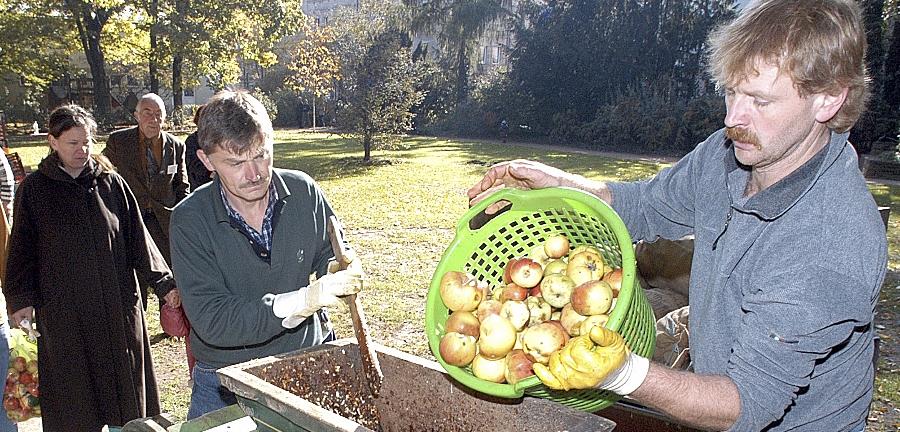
219 208
50 166
774 201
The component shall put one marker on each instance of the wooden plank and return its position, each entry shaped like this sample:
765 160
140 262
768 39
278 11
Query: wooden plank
15 162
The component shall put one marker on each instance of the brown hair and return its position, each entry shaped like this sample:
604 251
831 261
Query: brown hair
820 44
67 116
235 121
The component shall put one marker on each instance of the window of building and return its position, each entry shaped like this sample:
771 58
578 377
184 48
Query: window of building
189 92
496 54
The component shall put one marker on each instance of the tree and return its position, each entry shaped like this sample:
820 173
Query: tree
314 67
379 94
458 25
35 43
89 19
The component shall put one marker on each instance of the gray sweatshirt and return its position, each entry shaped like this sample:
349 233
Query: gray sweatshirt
783 284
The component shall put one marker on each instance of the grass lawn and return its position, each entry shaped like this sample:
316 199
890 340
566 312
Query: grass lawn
400 213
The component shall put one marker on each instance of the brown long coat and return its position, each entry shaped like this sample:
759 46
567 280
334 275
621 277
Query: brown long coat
76 249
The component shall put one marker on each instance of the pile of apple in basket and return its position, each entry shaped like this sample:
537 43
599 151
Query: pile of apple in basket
503 333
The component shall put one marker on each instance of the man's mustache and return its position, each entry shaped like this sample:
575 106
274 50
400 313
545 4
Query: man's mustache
742 135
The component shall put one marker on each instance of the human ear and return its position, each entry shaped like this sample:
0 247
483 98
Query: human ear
829 104
205 159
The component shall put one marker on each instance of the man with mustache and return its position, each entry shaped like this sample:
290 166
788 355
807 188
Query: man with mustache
244 247
790 252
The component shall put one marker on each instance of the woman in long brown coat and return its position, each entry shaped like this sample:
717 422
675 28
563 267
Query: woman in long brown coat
77 248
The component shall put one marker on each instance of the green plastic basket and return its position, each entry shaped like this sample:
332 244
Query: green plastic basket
532 217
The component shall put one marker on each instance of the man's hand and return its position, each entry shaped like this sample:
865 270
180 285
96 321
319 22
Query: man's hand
294 307
526 174
173 298
20 315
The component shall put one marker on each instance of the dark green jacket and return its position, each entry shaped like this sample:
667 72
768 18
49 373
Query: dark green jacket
223 281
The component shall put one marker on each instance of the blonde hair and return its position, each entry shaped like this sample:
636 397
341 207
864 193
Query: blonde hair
820 44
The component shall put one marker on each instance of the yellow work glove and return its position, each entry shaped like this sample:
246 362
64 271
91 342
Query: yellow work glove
599 359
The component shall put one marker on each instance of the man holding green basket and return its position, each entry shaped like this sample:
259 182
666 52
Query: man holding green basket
790 251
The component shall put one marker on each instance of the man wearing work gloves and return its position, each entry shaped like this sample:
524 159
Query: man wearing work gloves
790 252
244 247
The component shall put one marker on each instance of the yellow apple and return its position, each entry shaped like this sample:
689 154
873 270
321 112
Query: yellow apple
585 266
516 311
556 289
571 320
488 307
556 246
593 321
543 339
489 369
592 298
497 337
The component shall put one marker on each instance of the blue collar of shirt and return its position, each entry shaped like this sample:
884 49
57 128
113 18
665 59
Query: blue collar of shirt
260 240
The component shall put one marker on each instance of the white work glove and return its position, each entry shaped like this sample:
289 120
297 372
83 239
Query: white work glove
296 306
628 377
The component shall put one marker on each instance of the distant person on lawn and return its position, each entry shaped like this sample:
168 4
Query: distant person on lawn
790 250
244 248
77 251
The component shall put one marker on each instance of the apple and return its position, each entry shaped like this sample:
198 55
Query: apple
518 366
539 310
26 378
593 321
460 292
535 291
457 349
516 311
592 298
489 369
564 332
496 292
525 272
556 246
488 307
519 344
614 279
555 266
507 272
543 339
538 255
513 292
19 364
10 403
32 366
463 322
582 248
497 337
571 320
585 266
33 389
555 315
556 289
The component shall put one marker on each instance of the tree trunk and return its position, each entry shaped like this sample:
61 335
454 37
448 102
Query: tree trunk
154 45
462 73
177 90
90 24
314 113
367 147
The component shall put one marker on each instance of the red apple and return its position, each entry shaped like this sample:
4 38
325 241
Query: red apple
516 311
592 298
513 292
543 339
457 349
535 292
488 307
559 324
526 272
26 378
518 366
556 289
585 266
489 369
32 366
571 320
556 246
497 337
507 272
614 279
460 291
462 322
